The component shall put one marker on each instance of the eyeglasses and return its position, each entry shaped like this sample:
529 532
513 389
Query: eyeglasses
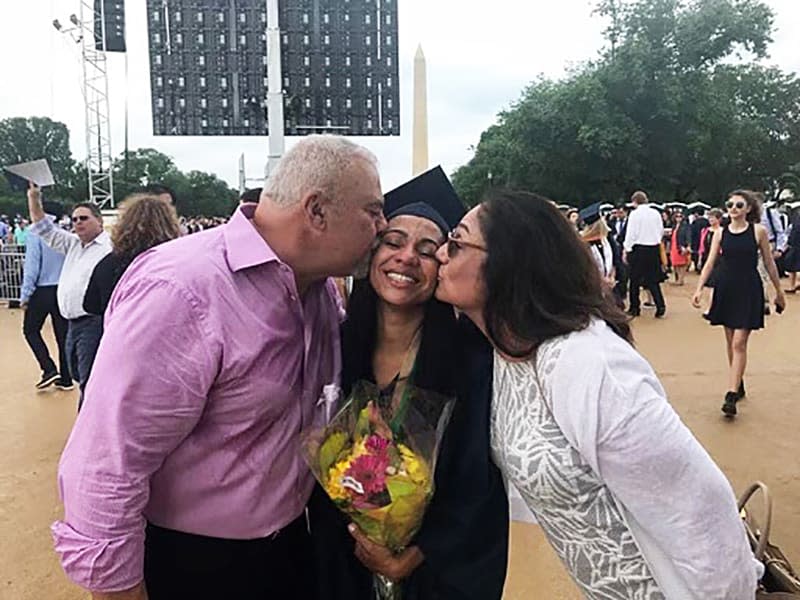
456 245
738 204
80 218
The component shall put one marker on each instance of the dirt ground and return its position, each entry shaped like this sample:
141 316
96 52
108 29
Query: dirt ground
687 354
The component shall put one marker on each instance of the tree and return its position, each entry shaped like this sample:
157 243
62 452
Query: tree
664 108
208 196
140 168
26 139
198 193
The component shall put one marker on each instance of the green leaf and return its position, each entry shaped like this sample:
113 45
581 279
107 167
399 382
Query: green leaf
330 450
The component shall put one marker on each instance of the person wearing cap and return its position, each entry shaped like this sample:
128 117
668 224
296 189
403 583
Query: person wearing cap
397 331
642 253
182 477
597 236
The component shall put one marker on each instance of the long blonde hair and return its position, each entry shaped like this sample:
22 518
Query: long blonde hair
596 231
145 221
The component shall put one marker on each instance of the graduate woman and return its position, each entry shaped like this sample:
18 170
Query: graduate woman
397 331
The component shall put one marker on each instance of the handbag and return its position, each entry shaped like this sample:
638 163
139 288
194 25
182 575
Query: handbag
780 580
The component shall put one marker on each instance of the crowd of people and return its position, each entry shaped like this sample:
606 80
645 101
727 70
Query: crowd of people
182 476
642 247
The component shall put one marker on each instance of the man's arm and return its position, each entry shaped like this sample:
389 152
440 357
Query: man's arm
35 203
148 390
632 232
55 237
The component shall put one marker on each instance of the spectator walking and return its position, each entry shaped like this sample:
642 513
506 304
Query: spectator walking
776 233
792 255
38 297
738 293
642 254
83 249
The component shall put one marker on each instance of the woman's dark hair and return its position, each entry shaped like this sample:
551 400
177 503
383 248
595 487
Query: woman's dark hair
754 200
540 279
435 367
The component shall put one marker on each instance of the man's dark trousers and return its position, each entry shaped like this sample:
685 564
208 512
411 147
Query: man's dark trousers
83 338
43 302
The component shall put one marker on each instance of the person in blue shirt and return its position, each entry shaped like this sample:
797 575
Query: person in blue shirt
4 230
41 271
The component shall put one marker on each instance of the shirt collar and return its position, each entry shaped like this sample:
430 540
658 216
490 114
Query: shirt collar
102 239
244 246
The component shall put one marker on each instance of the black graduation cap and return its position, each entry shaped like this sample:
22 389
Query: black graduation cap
591 214
429 195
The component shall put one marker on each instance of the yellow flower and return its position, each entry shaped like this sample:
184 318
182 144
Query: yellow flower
416 468
359 449
334 486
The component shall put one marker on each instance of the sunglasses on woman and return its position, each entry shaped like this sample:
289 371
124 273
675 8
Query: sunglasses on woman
738 204
455 245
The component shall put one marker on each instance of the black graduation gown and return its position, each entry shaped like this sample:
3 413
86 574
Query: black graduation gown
464 535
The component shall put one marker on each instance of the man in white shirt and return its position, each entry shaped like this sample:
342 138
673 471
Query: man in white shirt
778 241
642 253
83 249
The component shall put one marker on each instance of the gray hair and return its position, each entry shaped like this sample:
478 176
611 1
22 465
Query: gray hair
315 163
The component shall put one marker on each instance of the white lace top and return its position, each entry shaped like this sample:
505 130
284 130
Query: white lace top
628 498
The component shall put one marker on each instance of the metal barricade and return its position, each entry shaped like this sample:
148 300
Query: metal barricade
12 259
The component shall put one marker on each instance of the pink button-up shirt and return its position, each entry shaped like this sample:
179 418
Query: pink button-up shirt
210 366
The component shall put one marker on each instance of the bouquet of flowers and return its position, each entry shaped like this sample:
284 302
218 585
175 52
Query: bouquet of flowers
376 461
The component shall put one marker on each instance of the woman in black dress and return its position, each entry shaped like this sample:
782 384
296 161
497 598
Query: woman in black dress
738 293
460 552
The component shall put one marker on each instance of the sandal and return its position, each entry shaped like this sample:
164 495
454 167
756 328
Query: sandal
793 290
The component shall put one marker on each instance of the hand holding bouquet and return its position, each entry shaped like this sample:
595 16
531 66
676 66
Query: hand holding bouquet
376 461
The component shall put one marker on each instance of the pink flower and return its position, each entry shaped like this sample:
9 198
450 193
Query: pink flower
377 445
370 472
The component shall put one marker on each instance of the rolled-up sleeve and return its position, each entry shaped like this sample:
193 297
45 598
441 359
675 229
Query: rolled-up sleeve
149 384
30 270
55 237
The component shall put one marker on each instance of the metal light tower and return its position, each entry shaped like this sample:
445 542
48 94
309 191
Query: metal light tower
95 97
275 119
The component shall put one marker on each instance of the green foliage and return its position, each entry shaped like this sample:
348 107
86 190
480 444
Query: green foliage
666 108
24 139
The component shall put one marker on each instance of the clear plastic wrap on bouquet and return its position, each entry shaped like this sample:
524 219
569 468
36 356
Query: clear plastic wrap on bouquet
376 461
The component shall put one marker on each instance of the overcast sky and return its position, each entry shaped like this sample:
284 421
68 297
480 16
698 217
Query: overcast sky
480 56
